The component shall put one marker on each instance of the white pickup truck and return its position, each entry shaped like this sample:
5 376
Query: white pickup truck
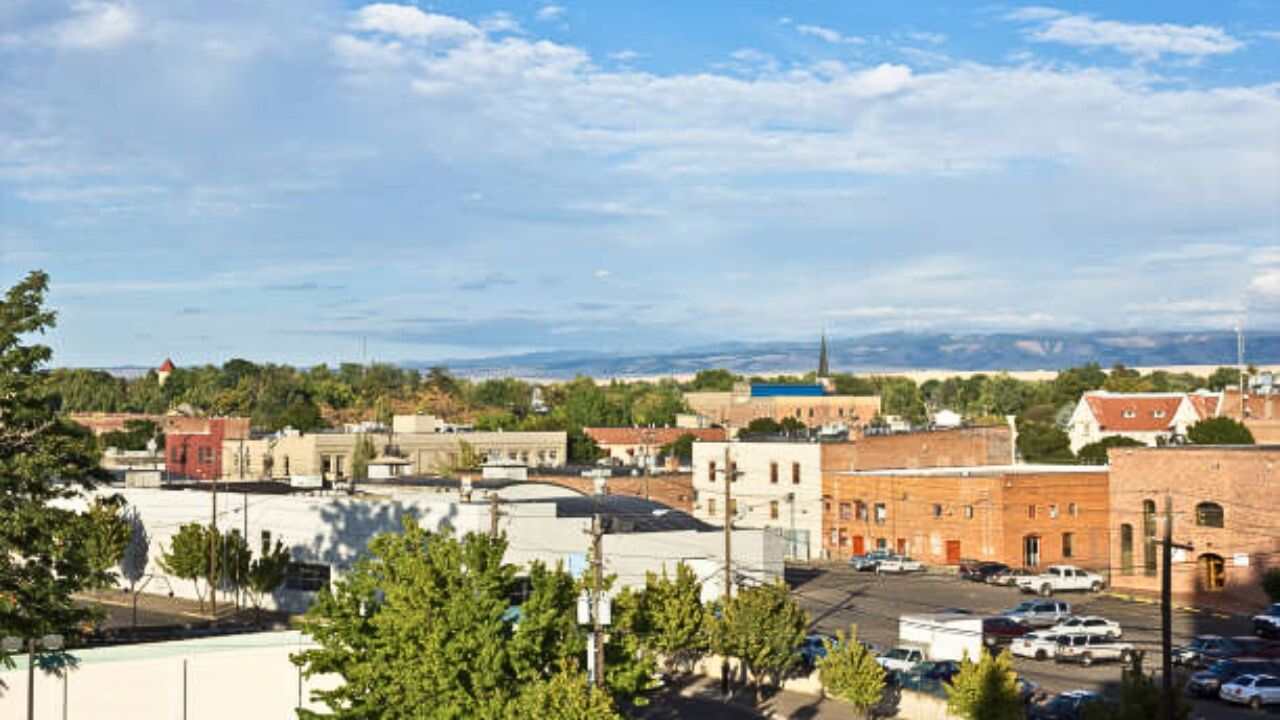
1061 578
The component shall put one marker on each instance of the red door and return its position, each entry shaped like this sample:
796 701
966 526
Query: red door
859 547
953 552
902 546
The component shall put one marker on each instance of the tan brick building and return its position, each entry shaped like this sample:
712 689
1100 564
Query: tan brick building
941 448
1259 412
737 408
1225 504
1022 515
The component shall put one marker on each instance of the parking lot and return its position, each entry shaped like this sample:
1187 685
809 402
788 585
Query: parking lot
838 597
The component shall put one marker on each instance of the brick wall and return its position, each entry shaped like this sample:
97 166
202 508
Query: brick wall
1077 504
197 453
674 490
941 448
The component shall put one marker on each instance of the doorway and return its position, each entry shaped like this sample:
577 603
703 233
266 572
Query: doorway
953 552
859 545
1031 551
1213 572
902 546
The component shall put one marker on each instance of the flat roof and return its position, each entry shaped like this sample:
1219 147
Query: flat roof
1272 447
978 470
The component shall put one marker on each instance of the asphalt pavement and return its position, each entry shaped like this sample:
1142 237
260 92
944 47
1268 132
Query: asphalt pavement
838 597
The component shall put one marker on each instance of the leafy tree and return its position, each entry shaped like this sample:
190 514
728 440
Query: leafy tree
764 426
792 425
678 621
850 672
135 436
763 627
266 573
547 639
1224 377
1141 698
188 557
360 457
133 561
1096 453
1070 384
718 380
106 535
467 459
629 662
900 396
1271 584
681 448
658 406
235 560
564 696
1002 395
986 690
1038 442
1219 431
846 384
46 462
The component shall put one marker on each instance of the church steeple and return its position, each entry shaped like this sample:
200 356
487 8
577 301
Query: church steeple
823 367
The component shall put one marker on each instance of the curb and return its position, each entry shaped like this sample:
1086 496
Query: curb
1145 600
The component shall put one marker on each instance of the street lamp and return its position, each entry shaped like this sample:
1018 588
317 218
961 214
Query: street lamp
13 645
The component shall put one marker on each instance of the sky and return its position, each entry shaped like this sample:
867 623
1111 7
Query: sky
315 181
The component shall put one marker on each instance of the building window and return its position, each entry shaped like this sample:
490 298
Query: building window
1130 414
843 537
881 543
1073 510
968 512
881 513
1126 549
773 473
204 455
845 511
307 577
733 506
797 412
795 473
1053 511
826 504
711 472
711 506
833 538
1209 514
266 538
841 412
1066 545
1031 512
860 510
733 471
1149 537
810 412
937 510
773 509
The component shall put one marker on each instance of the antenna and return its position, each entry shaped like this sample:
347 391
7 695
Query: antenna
1240 367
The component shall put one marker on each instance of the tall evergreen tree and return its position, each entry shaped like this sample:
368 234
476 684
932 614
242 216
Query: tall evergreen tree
43 459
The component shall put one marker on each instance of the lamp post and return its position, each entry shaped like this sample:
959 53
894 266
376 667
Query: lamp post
15 645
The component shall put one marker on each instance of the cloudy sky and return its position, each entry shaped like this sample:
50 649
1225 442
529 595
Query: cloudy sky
285 180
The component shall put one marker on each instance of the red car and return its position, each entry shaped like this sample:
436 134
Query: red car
1001 631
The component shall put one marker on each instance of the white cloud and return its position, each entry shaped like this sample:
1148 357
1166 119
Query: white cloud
932 38
547 13
1148 41
828 35
409 22
1266 286
624 56
501 22
1193 253
96 26
601 274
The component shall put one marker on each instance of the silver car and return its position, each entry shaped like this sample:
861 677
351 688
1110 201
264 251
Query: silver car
1088 649
1252 690
1040 613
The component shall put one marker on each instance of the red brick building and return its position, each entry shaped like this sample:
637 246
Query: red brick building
194 451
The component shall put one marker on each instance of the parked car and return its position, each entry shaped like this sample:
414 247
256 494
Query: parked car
1088 649
1040 645
814 648
1252 690
940 670
1267 623
868 561
1028 690
1010 577
981 571
1069 705
1061 578
1204 650
1208 682
1001 630
901 659
1040 613
899 564
1088 625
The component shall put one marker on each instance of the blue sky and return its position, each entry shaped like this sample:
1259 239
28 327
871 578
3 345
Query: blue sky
283 180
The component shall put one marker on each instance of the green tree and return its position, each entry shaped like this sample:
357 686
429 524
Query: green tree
46 462
1038 442
718 380
1141 698
106 534
360 457
986 689
1271 584
792 425
763 627
658 406
235 561
266 573
763 426
681 448
900 396
1096 453
564 696
629 662
188 557
1224 377
850 672
678 621
1220 431
135 436
547 639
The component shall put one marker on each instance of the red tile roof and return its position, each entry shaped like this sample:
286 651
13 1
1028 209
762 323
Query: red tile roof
1206 406
1134 413
650 436
166 366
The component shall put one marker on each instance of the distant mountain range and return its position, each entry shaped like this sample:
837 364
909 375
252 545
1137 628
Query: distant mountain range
895 351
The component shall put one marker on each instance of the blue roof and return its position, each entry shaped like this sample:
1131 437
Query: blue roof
782 390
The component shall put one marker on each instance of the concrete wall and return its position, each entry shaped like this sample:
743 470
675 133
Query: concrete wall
239 676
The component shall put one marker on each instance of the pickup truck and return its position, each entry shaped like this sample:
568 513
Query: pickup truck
1088 649
1061 578
901 659
1267 624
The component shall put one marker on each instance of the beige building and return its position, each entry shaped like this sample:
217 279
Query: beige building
328 454
746 402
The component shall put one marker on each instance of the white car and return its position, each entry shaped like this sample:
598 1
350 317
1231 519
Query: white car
1088 625
1040 645
1088 649
899 564
901 659
1252 690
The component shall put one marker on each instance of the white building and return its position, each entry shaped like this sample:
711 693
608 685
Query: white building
326 534
1149 418
777 485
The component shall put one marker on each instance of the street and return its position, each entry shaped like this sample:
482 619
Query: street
837 597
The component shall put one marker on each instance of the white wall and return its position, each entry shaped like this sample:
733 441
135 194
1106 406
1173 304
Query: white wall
238 676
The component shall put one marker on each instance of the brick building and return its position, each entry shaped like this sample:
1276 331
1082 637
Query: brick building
671 489
992 445
809 404
1224 504
1022 515
1259 411
195 450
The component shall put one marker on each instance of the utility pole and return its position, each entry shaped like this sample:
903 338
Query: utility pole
729 474
213 554
1166 609
597 582
494 514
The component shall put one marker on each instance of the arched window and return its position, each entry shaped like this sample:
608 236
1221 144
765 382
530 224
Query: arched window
1126 549
1209 514
1149 537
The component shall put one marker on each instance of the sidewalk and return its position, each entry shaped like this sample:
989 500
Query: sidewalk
1219 606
